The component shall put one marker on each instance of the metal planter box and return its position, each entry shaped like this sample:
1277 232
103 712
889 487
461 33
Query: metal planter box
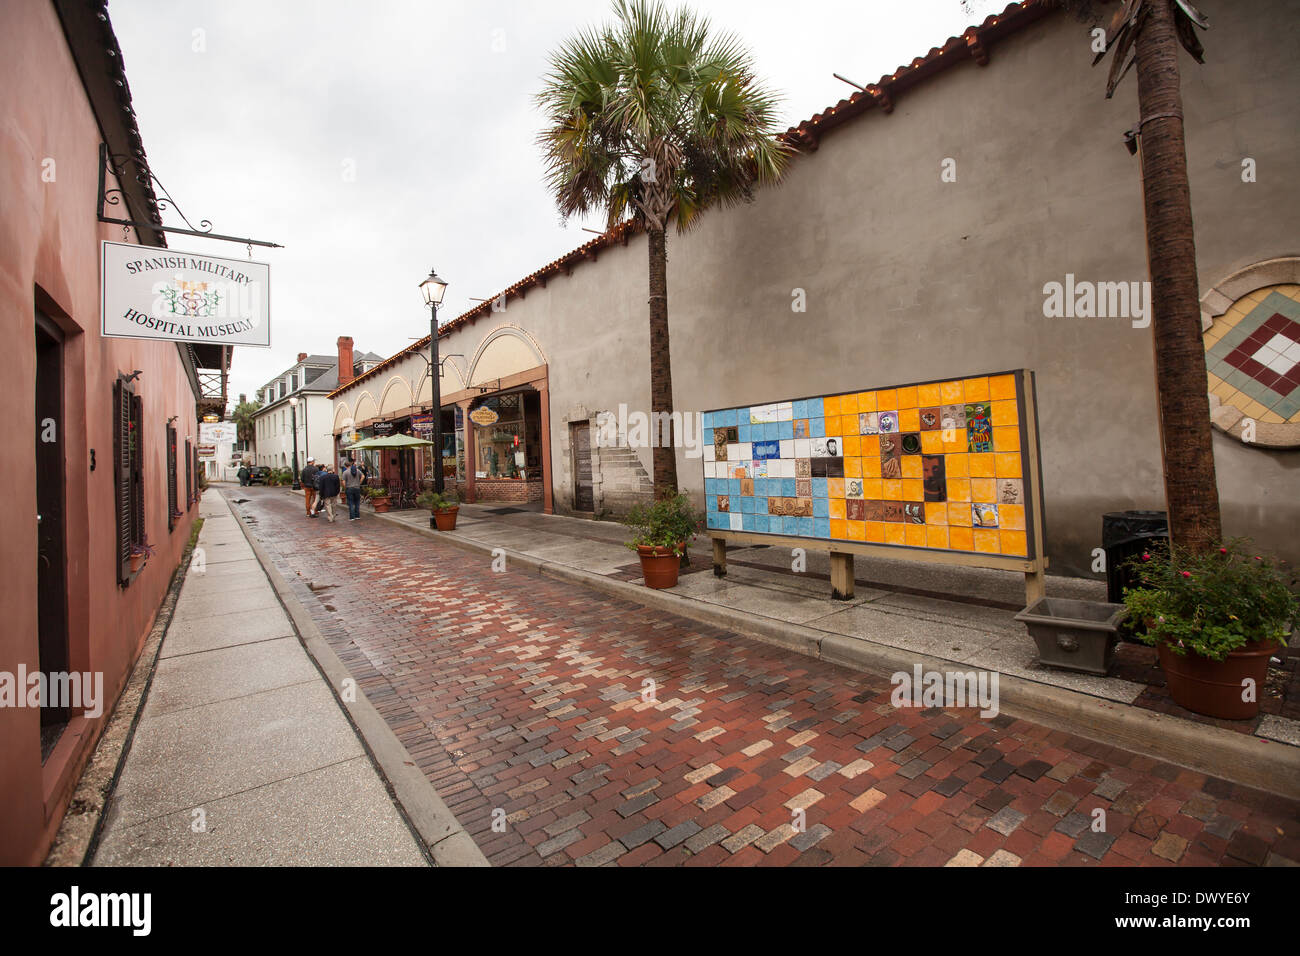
1074 635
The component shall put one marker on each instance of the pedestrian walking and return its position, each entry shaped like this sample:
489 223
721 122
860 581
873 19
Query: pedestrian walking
352 477
243 474
327 491
308 478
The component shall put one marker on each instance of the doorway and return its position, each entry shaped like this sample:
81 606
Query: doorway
580 442
51 541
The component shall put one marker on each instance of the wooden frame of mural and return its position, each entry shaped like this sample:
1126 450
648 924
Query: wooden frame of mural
945 471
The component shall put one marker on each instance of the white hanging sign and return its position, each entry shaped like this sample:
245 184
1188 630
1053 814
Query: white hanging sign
153 293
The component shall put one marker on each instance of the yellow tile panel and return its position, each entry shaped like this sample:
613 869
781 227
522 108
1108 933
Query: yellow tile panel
1014 542
927 395
1002 387
976 389
1007 465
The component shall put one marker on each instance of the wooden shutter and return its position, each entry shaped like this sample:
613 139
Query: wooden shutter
137 470
122 476
189 476
172 490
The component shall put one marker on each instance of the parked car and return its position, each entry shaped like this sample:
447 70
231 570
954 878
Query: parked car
257 474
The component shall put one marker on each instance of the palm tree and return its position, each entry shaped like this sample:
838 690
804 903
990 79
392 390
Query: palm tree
1148 33
242 416
651 118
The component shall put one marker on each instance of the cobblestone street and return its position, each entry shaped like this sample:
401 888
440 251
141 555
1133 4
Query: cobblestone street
521 698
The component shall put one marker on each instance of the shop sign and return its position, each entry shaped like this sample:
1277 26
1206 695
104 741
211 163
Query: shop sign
422 423
150 293
383 428
484 416
217 433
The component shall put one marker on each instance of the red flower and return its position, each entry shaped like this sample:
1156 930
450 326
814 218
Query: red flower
1223 551
1186 574
1146 557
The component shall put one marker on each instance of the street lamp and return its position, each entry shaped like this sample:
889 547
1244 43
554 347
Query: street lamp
293 407
433 289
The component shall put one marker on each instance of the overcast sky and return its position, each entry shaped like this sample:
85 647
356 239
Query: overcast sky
375 140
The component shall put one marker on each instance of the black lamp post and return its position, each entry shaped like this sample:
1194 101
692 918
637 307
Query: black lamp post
434 289
293 407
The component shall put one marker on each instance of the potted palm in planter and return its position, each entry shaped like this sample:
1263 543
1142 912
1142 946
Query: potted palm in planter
378 498
140 553
1215 620
661 531
444 508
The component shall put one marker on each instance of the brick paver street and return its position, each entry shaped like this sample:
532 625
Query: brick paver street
520 697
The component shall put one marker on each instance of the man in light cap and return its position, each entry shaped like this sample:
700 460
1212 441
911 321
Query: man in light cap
308 478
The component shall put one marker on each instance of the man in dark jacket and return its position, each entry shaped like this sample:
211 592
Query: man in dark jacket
353 478
243 474
308 478
327 486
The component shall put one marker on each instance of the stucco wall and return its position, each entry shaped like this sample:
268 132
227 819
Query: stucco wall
49 240
909 278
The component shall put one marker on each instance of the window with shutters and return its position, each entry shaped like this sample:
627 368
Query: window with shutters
189 477
128 474
173 506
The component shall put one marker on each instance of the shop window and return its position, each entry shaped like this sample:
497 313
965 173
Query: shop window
128 474
499 437
173 511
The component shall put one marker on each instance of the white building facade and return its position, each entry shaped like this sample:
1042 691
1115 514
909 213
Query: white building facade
309 381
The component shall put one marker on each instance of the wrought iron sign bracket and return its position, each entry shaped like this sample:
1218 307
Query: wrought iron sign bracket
119 166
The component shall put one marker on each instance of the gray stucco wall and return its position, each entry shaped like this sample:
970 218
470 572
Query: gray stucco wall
909 278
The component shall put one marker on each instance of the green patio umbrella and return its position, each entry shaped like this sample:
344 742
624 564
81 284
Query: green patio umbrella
390 441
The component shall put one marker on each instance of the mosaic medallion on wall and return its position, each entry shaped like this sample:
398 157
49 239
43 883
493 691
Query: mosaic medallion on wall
1253 355
1251 332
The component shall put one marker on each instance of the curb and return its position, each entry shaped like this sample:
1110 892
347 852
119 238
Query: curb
442 835
1242 758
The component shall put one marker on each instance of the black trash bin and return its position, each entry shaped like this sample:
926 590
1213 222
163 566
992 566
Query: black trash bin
1124 535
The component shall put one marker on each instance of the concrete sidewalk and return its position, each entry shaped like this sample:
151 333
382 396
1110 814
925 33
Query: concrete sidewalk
902 613
242 754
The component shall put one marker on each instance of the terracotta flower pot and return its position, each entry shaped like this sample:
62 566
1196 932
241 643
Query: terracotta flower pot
381 504
1214 688
659 566
446 520
137 562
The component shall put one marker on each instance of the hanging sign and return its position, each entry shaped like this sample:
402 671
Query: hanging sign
153 293
483 416
217 433
383 428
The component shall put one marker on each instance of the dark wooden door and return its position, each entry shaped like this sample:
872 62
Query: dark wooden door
51 555
583 499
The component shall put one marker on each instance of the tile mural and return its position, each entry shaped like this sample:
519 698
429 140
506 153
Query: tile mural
937 465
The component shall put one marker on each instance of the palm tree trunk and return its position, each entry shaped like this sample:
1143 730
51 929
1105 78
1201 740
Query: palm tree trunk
661 374
1185 432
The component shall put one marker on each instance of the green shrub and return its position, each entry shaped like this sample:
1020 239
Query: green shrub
1210 604
438 502
666 523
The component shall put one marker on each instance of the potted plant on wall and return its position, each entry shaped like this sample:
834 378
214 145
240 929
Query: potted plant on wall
444 508
1215 620
140 553
379 499
661 531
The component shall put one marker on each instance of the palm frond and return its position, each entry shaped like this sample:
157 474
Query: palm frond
658 116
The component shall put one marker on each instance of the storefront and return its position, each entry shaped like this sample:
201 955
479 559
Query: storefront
507 443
